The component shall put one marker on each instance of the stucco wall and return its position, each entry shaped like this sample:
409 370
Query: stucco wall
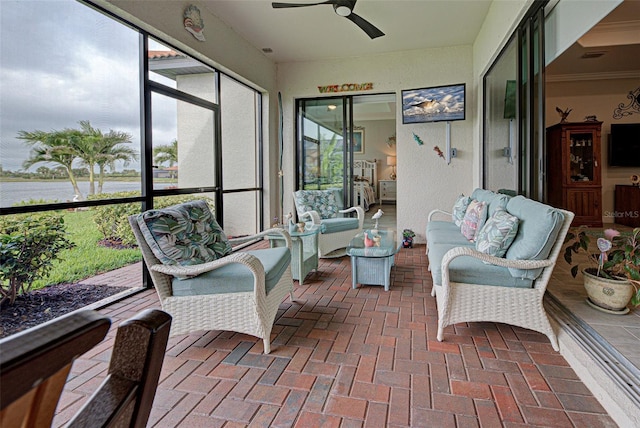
425 181
598 97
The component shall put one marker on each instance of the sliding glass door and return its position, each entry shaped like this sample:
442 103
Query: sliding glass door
325 146
513 154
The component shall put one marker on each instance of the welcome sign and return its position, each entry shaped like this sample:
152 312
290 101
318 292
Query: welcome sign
346 87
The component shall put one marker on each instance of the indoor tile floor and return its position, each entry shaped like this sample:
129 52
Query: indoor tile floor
365 357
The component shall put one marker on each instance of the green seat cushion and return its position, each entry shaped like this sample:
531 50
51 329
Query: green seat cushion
184 234
333 225
446 236
470 270
537 232
235 277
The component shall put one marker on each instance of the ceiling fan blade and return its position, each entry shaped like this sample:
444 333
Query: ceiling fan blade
371 30
277 5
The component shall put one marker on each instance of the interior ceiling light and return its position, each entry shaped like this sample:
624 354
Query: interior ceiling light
331 107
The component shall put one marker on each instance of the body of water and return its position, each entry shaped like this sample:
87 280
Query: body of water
61 191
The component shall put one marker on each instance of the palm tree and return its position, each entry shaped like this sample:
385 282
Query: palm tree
88 144
54 147
166 153
103 150
110 154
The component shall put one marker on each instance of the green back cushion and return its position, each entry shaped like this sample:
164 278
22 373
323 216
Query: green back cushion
537 232
325 202
185 234
494 201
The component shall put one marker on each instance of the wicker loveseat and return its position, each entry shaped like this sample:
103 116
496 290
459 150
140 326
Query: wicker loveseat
322 208
473 285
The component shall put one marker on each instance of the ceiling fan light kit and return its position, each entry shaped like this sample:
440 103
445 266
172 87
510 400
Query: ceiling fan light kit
342 8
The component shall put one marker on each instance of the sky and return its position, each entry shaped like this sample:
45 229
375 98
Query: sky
62 62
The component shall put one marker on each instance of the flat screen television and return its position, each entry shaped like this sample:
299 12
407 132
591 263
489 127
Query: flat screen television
436 104
624 145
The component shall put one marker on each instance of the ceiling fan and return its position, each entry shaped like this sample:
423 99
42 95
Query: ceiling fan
343 8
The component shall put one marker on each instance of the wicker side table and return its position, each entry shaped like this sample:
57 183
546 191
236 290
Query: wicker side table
304 251
372 265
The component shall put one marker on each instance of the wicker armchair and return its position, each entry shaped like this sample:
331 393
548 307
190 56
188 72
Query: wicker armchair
320 207
228 306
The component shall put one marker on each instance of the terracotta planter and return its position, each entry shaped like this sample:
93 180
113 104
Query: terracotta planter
609 294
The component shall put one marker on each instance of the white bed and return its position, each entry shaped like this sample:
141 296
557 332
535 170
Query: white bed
365 183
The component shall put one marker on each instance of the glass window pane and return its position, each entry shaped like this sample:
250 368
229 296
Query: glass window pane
500 130
183 144
179 71
240 142
167 201
69 103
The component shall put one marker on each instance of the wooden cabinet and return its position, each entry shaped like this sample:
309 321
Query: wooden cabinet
627 205
574 170
387 190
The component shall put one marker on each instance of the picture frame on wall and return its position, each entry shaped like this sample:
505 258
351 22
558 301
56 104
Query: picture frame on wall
434 104
358 141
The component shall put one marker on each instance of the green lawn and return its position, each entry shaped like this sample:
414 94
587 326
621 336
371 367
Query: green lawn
87 258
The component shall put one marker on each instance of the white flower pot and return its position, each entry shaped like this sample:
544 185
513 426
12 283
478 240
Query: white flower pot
612 295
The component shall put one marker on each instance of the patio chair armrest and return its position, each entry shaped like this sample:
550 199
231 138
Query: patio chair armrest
359 211
249 260
437 211
315 217
272 231
498 261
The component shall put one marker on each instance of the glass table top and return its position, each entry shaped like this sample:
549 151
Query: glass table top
384 243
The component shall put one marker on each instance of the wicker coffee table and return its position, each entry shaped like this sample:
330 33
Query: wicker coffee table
372 265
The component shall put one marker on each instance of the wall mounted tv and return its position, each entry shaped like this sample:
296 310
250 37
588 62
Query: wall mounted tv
624 144
437 104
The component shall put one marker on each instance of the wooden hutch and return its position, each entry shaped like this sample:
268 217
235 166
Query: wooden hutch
574 170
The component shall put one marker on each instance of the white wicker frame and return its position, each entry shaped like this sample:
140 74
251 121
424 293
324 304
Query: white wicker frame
329 242
522 307
251 313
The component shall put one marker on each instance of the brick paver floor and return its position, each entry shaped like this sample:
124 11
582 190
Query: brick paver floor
356 358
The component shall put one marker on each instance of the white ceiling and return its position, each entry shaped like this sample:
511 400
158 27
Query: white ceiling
316 32
616 37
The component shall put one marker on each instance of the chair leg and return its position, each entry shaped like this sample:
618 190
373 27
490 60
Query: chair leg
440 335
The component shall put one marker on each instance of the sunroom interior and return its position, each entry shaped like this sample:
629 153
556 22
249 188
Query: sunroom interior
231 101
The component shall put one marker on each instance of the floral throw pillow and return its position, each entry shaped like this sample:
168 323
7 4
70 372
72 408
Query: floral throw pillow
185 234
460 209
474 219
497 234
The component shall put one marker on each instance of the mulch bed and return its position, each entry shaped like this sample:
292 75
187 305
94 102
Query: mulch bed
42 305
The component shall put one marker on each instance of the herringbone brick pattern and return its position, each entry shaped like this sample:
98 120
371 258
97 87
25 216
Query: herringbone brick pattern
357 358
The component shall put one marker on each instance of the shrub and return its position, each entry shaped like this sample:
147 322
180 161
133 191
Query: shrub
29 244
112 219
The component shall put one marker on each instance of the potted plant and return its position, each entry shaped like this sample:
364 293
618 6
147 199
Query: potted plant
613 279
407 238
